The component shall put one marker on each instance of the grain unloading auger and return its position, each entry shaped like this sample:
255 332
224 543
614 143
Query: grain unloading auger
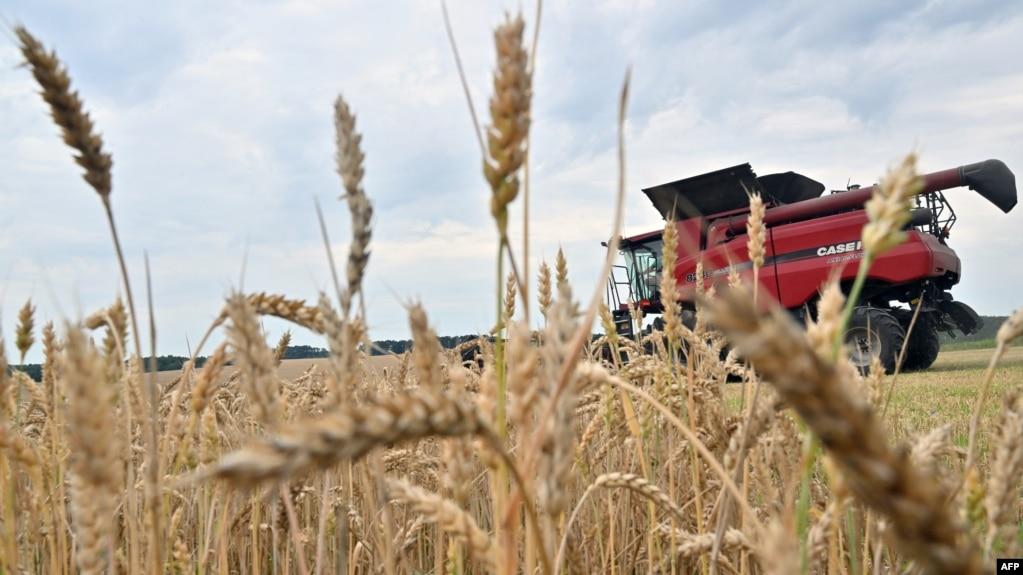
808 235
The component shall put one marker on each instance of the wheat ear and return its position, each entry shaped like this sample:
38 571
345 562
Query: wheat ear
446 515
294 310
68 112
348 433
426 349
1006 467
629 482
94 464
24 336
350 158
543 288
881 477
255 360
669 286
888 209
510 119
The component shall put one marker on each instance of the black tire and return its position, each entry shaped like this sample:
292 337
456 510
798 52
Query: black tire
923 346
873 332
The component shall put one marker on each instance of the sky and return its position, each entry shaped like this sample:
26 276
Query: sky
219 119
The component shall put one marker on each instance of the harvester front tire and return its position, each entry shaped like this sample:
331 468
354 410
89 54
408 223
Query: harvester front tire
873 332
923 346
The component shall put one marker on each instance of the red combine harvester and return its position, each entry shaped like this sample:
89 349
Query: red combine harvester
807 236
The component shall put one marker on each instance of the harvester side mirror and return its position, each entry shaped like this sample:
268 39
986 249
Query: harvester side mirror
993 180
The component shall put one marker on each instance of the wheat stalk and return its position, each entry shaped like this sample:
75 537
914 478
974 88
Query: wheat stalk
561 274
543 288
350 158
1006 467
756 231
559 429
509 299
446 515
426 350
669 288
348 433
294 310
24 337
888 208
255 360
68 112
94 466
629 482
20 450
881 477
510 119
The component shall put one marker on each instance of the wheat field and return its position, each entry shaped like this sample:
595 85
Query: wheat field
746 444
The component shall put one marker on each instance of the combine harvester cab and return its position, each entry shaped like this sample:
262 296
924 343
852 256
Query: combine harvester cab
809 235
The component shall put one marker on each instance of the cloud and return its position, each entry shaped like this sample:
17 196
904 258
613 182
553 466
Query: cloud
221 131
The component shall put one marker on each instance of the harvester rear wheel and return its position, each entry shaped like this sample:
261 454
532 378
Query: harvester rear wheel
923 346
874 332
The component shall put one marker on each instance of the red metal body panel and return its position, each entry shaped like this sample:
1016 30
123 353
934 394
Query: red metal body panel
800 257
716 262
690 234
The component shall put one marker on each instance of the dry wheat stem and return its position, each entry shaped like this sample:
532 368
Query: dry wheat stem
329 252
1011 329
881 477
698 445
350 167
78 132
447 515
585 326
628 481
461 77
1006 467
95 477
348 432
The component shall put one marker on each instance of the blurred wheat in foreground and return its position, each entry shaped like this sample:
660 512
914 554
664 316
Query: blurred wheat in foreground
527 451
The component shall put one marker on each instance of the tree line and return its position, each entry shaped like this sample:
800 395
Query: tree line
176 362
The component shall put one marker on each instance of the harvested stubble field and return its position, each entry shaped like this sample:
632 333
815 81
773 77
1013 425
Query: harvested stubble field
539 457
945 394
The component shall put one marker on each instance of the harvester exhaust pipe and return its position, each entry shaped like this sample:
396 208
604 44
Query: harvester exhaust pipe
992 179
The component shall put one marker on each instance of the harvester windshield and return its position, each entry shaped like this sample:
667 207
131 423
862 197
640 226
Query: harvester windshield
643 261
